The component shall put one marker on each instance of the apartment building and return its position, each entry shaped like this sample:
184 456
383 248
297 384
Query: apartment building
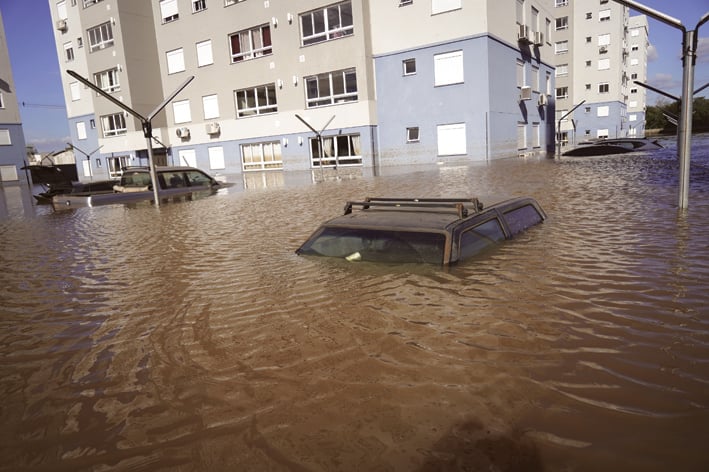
594 70
637 69
475 83
12 138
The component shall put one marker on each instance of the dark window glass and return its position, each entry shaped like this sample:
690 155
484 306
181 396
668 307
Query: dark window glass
480 237
522 218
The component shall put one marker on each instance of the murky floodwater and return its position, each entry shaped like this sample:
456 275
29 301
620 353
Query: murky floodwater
190 337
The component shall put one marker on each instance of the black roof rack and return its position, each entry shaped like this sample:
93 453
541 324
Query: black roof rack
460 206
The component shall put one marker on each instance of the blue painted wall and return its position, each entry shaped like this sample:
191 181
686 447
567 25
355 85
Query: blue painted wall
15 153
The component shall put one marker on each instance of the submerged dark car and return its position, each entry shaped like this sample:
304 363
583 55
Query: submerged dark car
424 230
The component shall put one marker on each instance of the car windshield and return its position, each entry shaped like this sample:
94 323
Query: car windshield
377 245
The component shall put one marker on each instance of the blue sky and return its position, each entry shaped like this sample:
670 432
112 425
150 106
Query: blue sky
30 39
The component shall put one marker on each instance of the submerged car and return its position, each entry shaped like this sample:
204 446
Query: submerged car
135 185
420 230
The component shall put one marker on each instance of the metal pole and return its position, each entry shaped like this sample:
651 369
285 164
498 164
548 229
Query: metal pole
148 133
685 121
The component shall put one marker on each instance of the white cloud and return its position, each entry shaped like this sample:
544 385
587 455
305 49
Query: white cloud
664 82
652 54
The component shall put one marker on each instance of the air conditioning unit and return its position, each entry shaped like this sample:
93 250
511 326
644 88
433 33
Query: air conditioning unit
61 25
212 128
538 38
523 34
542 99
183 133
525 93
603 49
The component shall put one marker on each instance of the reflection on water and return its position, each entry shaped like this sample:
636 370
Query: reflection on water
190 337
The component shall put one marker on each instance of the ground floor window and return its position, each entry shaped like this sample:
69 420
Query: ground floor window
341 150
261 156
116 165
451 139
521 136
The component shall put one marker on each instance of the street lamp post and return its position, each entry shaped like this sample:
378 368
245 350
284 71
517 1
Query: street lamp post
689 58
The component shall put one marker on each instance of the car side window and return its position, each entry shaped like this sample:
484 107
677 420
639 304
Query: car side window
480 237
196 178
173 179
522 218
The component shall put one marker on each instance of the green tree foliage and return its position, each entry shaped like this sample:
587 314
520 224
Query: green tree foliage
654 118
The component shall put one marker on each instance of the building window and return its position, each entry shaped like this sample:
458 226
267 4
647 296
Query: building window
210 105
633 103
412 134
68 52
92 123
521 76
256 100
604 39
250 44
604 64
603 111
114 125
108 80
331 88
588 39
5 139
2 101
562 23
88 3
634 76
548 83
561 3
634 62
535 78
332 22
562 70
216 157
261 156
633 90
100 37
169 11
562 92
602 134
199 5
175 61
81 130
588 86
80 42
232 2
603 87
403 3
561 47
588 63
604 15
441 6
340 150
589 15
204 53
452 139
536 135
75 91
521 136
587 109
409 66
634 47
448 68
182 112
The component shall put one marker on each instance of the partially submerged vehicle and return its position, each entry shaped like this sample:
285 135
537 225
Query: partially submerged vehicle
420 230
603 147
135 185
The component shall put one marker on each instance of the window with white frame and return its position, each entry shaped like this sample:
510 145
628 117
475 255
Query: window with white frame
562 92
175 61
251 43
181 110
216 157
107 80
634 62
412 134
5 139
409 66
2 101
561 47
603 110
604 39
210 105
548 83
114 125
75 91
199 5
331 88
258 100
521 136
519 12
603 87
403 3
448 68
535 78
187 157
232 2
452 139
562 70
204 53
61 10
441 6
604 64
635 32
602 134
340 150
562 23
536 135
521 76
261 156
604 15
68 52
634 90
81 130
634 47
632 117
633 103
100 37
169 11
561 3
88 3
325 24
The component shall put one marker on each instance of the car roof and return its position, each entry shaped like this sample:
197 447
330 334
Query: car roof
406 213
159 169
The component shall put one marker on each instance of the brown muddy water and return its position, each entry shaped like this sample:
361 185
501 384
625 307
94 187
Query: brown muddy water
191 337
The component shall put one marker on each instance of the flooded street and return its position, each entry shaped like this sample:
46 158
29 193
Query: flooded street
191 337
